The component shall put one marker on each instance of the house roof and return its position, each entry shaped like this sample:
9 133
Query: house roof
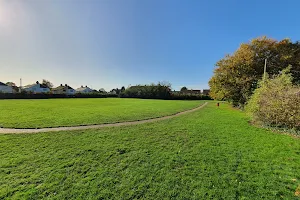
2 84
83 88
28 86
61 87
41 85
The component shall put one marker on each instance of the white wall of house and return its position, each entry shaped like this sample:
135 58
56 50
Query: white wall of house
37 89
6 89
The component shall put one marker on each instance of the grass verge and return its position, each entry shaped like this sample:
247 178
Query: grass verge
212 153
75 112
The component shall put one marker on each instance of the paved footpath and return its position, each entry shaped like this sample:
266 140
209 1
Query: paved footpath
40 130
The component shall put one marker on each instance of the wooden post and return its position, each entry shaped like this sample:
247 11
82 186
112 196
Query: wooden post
265 70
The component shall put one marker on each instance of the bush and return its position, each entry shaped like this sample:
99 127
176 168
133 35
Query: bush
276 102
158 91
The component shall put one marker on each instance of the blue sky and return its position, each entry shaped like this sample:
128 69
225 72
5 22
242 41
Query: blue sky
111 43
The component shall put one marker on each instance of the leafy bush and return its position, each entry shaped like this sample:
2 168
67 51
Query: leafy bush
159 91
276 102
152 91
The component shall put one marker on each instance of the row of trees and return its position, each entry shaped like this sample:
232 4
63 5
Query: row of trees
272 99
152 91
236 76
162 90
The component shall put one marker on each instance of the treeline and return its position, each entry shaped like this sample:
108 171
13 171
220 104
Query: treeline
152 91
159 91
274 101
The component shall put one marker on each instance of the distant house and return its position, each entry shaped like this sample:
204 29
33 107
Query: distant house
36 88
84 90
176 92
206 92
14 87
191 92
63 89
5 88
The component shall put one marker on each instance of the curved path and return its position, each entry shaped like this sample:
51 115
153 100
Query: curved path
18 131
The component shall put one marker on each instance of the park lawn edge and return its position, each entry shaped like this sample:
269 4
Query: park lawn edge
159 115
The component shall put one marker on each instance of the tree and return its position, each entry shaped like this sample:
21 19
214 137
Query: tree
123 89
152 91
11 84
102 90
183 89
236 76
47 83
116 90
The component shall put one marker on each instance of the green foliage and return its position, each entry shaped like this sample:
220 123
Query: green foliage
211 154
123 89
102 90
87 111
11 84
153 91
183 89
47 83
237 75
276 102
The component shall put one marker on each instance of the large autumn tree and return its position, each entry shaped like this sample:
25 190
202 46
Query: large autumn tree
236 76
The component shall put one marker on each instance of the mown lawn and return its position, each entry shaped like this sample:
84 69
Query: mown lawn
72 112
210 154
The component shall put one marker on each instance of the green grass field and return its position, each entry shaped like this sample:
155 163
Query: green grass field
72 112
209 154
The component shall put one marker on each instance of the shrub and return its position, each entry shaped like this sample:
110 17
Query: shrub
276 102
158 91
